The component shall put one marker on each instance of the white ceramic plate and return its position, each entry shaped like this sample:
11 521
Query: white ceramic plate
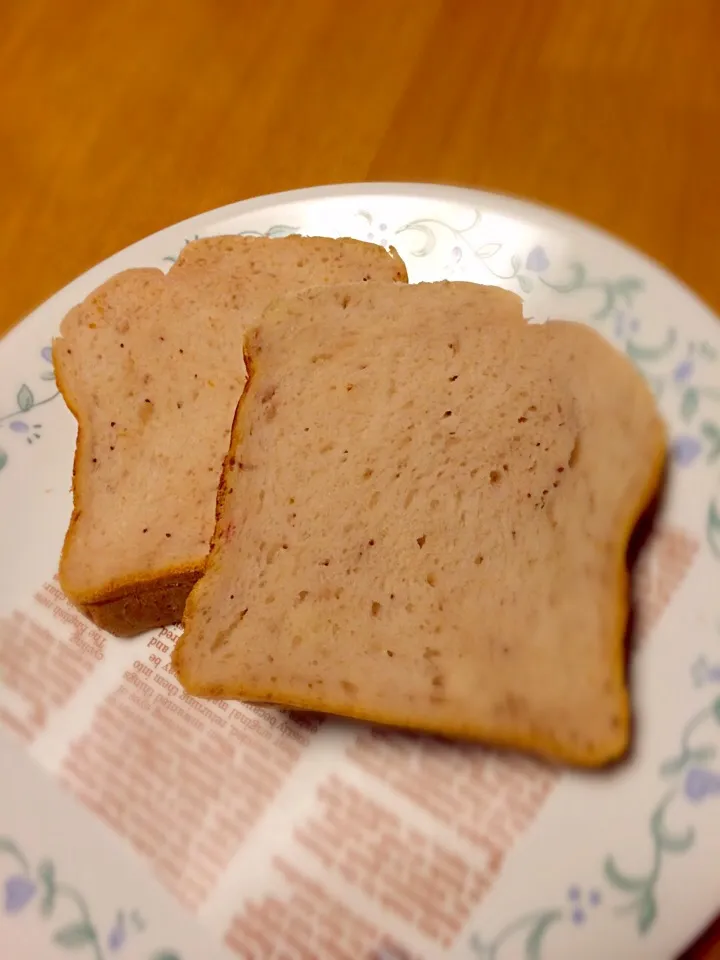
362 845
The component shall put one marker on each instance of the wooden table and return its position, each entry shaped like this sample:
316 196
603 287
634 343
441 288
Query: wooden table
120 117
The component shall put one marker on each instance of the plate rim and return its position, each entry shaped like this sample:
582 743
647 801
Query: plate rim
514 207
506 204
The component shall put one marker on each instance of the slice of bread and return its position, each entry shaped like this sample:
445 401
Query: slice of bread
152 368
423 520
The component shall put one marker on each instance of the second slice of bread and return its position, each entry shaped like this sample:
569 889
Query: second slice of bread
424 517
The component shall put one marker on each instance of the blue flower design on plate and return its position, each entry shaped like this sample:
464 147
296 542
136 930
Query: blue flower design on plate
685 448
537 260
702 672
624 325
701 783
30 431
683 371
117 935
19 891
24 885
378 238
580 904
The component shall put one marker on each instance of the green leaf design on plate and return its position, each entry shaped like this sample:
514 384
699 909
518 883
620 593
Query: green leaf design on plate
487 250
643 902
533 944
689 754
79 934
713 528
638 352
25 398
707 351
716 709
281 230
74 935
526 283
515 263
47 375
46 876
678 844
647 911
670 767
627 287
576 281
621 880
428 244
672 843
689 403
3 458
711 432
7 846
699 755
677 764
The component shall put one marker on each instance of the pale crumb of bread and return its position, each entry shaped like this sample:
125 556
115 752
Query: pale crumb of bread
423 520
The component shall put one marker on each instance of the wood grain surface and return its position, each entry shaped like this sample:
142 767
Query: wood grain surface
120 117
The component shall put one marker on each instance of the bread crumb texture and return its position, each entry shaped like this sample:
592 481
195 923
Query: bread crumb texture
151 365
423 520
